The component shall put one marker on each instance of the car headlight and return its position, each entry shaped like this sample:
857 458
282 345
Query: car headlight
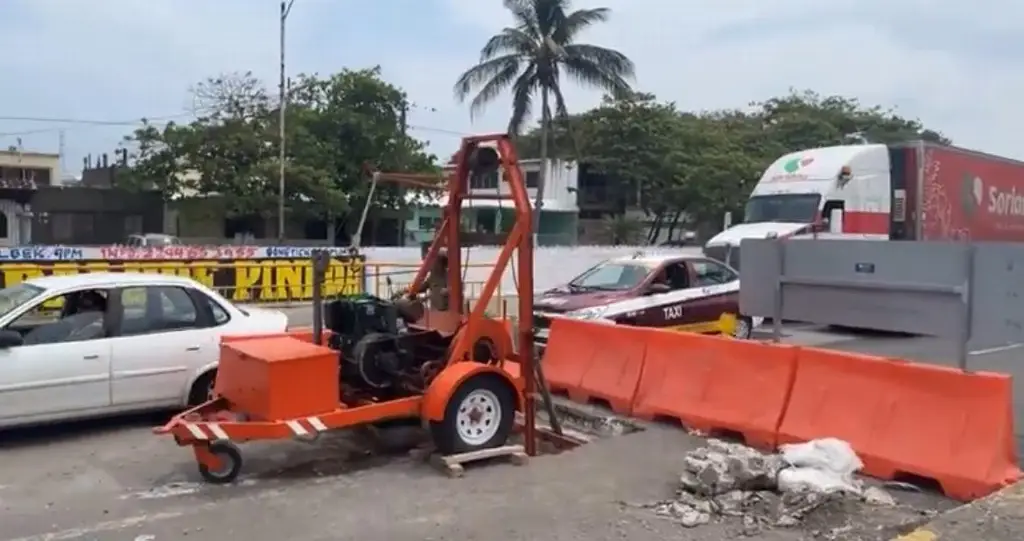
588 313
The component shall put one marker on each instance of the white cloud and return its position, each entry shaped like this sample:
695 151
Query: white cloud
957 65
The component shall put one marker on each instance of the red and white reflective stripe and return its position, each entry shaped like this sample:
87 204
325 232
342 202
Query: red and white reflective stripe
207 431
312 424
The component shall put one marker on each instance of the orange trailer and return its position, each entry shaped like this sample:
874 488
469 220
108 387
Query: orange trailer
466 387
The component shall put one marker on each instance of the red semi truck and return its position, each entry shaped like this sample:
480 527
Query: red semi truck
908 191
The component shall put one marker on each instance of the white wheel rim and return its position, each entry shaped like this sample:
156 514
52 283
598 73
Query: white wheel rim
479 417
742 329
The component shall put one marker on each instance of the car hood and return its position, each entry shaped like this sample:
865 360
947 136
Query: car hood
563 300
759 230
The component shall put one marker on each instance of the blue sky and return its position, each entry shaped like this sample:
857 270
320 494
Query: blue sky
957 65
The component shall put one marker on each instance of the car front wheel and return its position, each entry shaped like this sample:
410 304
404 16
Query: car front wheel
744 328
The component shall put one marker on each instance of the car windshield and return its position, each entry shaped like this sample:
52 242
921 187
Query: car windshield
17 295
798 208
611 275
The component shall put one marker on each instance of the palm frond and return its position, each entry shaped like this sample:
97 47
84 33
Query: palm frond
563 115
550 15
610 61
481 74
494 87
578 21
525 17
509 41
522 99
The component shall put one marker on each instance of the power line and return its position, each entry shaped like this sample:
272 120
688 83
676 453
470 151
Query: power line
84 122
88 122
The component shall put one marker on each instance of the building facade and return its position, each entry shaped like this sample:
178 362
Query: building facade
21 174
559 213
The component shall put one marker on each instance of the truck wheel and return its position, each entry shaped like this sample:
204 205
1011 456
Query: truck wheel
479 415
744 328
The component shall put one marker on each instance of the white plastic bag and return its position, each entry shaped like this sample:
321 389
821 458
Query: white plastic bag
830 454
823 465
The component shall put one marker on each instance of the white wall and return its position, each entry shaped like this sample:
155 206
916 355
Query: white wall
553 265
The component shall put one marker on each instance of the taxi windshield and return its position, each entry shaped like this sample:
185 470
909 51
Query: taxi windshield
611 276
17 295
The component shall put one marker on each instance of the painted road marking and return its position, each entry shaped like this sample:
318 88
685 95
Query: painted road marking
997 349
99 527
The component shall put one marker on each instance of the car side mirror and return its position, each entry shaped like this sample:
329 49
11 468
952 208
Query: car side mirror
10 339
658 287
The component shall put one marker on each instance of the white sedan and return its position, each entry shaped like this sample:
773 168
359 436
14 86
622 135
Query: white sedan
96 344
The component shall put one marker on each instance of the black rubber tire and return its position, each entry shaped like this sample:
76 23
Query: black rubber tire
445 433
198 393
750 328
232 458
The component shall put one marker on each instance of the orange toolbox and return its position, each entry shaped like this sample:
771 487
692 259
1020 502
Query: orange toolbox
278 377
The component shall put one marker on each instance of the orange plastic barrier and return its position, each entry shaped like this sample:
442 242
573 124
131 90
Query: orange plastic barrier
591 361
716 384
905 418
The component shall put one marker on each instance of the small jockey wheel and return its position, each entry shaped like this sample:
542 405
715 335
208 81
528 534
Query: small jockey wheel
220 462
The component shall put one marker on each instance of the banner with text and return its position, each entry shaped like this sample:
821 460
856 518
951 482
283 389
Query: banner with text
177 252
240 280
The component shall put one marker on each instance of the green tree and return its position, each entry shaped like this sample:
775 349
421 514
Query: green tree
337 128
806 119
533 56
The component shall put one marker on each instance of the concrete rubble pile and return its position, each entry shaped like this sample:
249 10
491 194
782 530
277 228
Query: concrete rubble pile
731 480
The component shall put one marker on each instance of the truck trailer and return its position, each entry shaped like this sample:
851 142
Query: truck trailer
916 190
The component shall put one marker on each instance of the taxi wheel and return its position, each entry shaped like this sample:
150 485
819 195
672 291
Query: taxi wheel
744 328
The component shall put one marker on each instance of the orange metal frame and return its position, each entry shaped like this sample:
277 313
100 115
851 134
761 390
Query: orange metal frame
215 420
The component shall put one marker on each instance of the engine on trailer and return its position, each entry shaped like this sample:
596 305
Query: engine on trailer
379 355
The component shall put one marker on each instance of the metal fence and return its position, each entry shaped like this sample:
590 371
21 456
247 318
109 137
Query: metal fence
969 293
385 279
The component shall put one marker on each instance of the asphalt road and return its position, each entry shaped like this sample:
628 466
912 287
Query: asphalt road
114 480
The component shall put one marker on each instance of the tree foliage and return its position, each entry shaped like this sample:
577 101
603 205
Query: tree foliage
337 127
696 166
534 55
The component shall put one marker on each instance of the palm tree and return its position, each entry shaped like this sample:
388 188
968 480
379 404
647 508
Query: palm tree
532 56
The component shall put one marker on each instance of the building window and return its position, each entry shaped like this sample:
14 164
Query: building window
429 223
3 225
61 227
532 179
72 227
133 224
484 182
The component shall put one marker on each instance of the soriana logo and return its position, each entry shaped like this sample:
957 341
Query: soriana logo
996 201
793 169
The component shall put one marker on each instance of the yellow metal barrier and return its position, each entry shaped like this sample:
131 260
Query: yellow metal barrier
240 280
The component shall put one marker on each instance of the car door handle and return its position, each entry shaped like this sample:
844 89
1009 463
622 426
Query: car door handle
193 348
91 357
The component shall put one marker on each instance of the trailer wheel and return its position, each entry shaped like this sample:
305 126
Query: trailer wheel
479 415
231 463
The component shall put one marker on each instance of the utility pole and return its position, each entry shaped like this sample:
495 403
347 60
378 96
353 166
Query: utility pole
286 8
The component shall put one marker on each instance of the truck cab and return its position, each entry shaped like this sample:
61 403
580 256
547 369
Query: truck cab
843 190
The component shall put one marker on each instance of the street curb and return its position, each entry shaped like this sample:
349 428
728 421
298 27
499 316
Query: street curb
997 517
